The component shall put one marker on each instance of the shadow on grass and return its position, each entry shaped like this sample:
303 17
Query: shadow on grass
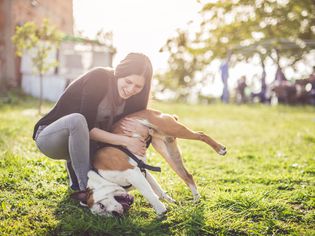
76 220
184 218
187 218
195 225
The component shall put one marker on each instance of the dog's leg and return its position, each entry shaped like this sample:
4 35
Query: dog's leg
157 188
169 125
136 178
170 151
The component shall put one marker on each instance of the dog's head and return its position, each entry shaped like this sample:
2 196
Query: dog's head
115 204
103 197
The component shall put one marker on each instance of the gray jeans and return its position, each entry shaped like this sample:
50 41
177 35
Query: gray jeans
68 138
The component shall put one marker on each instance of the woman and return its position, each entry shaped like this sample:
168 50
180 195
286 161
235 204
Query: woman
86 110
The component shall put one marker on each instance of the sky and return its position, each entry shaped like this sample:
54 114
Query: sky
137 25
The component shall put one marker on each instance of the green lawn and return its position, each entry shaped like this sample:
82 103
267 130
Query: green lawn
265 185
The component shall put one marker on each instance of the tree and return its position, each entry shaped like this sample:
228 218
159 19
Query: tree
106 38
41 40
183 65
274 29
280 30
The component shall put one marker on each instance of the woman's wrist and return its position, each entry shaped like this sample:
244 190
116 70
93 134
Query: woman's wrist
107 137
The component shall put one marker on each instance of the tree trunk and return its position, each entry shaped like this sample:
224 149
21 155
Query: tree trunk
40 93
263 81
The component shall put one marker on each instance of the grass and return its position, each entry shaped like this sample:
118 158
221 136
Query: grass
264 186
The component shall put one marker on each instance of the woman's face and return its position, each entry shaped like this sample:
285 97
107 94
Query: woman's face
130 85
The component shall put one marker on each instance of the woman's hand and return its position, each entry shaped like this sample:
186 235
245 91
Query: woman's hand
136 145
132 126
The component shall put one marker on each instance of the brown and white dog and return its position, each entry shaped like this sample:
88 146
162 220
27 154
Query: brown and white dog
116 169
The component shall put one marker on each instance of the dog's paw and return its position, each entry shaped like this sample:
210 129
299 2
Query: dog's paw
196 197
161 216
168 198
159 208
222 151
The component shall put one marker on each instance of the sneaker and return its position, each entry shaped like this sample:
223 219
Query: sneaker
74 187
73 181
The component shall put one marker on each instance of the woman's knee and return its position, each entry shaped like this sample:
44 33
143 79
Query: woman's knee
77 120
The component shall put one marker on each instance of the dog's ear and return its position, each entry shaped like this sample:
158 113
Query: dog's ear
80 195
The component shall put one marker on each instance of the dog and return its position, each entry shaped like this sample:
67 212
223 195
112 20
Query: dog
115 169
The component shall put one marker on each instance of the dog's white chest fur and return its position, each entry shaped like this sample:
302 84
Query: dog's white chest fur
122 178
119 177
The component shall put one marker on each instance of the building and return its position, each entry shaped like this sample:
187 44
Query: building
75 56
17 12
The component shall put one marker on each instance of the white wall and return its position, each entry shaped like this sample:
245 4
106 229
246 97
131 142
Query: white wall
74 60
53 86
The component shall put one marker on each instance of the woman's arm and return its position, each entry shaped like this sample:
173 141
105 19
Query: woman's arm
135 145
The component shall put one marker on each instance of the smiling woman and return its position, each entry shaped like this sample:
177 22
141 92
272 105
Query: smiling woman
130 85
134 74
83 115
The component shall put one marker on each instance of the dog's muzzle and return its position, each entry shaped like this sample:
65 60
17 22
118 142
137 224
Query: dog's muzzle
125 200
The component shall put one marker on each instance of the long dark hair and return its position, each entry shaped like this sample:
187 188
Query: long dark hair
136 64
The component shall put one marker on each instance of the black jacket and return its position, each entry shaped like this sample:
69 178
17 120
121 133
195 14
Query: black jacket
82 96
